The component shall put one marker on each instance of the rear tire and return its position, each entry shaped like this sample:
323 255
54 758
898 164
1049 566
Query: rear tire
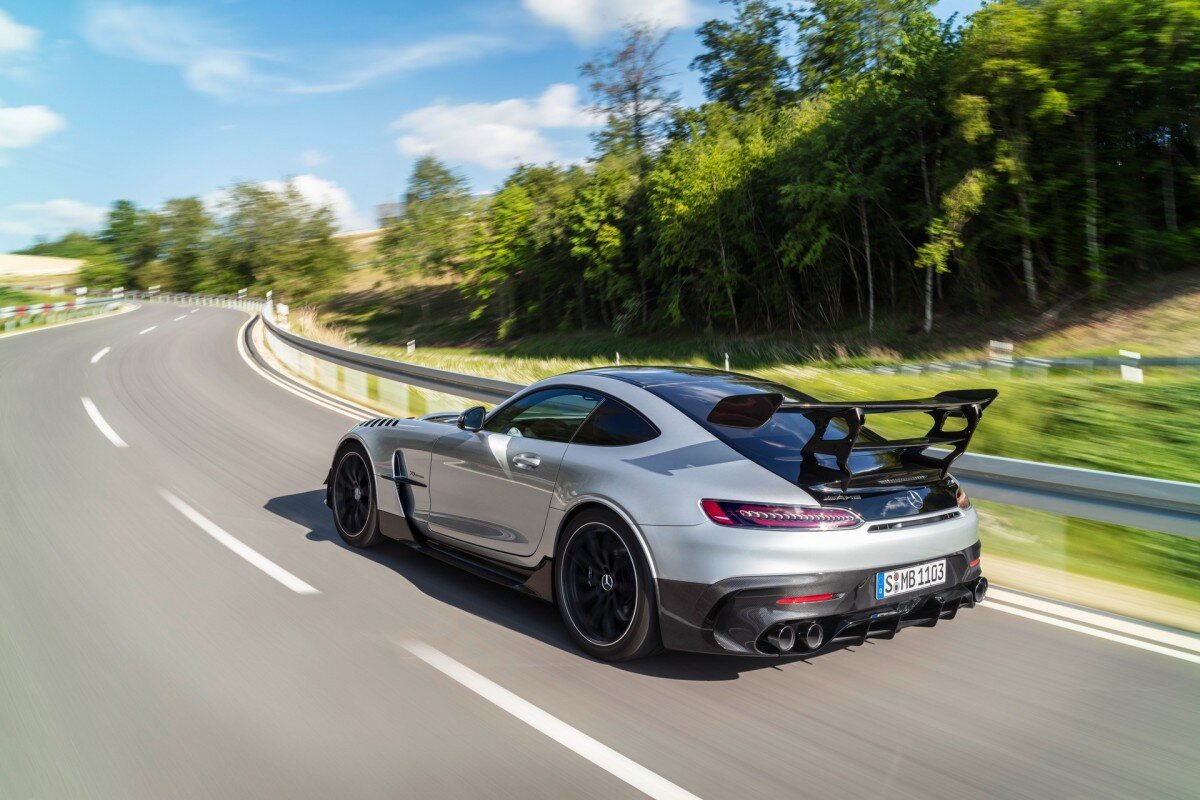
352 498
604 588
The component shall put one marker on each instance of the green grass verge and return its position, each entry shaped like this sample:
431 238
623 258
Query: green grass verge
1156 562
18 297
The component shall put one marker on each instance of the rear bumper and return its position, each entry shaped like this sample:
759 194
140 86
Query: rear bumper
736 616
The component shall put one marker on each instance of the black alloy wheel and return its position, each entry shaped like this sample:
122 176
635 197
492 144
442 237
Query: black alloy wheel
604 588
353 493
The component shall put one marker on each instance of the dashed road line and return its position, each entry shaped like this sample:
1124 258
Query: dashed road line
101 354
100 422
629 771
181 316
248 553
152 327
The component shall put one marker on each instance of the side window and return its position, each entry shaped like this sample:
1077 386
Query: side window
551 415
614 424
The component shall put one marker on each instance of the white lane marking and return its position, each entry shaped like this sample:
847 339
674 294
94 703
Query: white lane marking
100 355
104 427
254 557
312 398
181 316
602 756
1096 619
1112 637
152 327
193 311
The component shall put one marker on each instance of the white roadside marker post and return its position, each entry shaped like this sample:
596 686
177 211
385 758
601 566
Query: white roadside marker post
1132 372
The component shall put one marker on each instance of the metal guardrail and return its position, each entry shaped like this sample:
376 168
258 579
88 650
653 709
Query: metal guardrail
1149 503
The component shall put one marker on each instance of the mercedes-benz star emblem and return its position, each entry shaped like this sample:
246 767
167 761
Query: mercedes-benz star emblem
606 582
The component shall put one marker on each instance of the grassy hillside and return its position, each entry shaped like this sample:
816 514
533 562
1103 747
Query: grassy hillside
1160 317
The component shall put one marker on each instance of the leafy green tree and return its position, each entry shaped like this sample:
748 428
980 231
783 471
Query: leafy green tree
132 237
186 242
743 63
433 233
275 240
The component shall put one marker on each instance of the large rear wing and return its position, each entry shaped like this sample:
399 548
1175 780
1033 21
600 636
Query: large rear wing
754 410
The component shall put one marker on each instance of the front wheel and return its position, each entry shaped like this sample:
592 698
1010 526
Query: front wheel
604 588
355 514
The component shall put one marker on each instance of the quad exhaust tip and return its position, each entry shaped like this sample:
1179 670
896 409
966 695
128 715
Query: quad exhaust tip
981 587
814 636
783 639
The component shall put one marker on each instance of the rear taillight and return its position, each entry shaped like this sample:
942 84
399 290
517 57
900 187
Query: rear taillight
963 501
762 515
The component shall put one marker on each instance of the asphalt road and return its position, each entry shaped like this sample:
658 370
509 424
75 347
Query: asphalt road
144 655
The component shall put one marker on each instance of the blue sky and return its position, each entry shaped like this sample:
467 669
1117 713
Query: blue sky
107 99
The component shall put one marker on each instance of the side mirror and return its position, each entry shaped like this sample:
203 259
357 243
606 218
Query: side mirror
472 418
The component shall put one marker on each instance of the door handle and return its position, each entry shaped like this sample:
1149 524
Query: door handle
526 460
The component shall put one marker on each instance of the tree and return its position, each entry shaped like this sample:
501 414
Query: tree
629 84
274 239
186 242
742 64
432 234
132 237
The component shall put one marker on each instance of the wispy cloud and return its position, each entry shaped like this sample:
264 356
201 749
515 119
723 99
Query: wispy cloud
23 126
49 218
587 20
312 158
495 135
214 59
17 43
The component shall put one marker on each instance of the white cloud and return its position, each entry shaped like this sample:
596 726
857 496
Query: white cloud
213 60
22 126
494 135
15 39
312 158
317 192
586 20
49 218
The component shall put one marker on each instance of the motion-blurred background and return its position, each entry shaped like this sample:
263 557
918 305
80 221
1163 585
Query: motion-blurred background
860 198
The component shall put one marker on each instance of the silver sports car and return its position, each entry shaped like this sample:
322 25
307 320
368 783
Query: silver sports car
682 508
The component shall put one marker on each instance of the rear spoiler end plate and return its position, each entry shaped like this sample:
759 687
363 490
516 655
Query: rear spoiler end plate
754 410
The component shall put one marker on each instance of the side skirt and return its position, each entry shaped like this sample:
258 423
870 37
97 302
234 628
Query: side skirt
536 581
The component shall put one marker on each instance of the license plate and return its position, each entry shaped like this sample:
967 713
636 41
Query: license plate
909 579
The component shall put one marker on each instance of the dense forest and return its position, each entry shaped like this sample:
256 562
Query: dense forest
855 159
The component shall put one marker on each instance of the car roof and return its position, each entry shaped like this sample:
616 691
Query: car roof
661 380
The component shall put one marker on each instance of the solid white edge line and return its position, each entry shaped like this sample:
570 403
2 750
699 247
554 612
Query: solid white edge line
152 327
241 346
101 354
249 554
1096 619
1112 637
104 427
601 755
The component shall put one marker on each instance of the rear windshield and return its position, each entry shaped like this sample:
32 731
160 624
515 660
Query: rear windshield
776 445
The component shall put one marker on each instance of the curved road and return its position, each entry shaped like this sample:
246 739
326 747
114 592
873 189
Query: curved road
178 619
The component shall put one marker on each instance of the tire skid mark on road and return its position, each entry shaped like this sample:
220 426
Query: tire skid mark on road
246 552
629 771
